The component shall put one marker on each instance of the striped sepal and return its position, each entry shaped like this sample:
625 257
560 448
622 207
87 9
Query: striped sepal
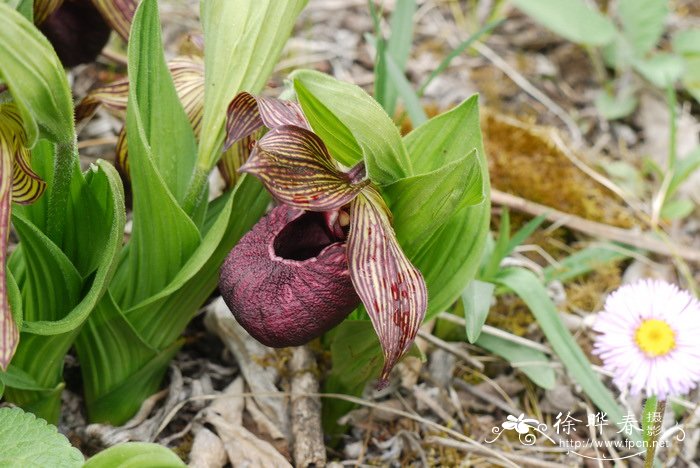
27 187
121 158
294 165
234 157
391 288
113 96
188 78
44 8
118 14
247 113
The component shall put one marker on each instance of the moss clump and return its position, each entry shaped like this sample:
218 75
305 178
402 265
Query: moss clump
524 162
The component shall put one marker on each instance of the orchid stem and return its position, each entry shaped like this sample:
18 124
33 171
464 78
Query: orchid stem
66 158
653 433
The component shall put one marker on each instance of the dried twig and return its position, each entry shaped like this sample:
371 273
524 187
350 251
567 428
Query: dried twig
309 449
636 239
450 348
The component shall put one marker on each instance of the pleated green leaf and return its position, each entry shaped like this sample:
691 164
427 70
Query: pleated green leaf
36 79
422 204
450 256
347 119
163 236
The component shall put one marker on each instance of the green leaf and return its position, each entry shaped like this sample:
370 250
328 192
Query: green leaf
529 288
691 77
398 47
643 22
422 204
135 455
585 261
244 40
36 79
476 300
27 441
571 19
662 69
687 42
464 45
163 122
613 107
403 87
450 258
163 236
683 169
369 128
677 209
119 369
533 363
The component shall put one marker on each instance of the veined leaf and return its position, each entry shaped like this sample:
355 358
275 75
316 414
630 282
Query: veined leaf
163 236
571 19
687 42
370 128
450 258
110 344
36 79
198 278
476 300
643 22
244 39
135 455
165 128
526 285
29 441
422 204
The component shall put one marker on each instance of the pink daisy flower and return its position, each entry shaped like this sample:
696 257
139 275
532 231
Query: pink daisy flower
649 338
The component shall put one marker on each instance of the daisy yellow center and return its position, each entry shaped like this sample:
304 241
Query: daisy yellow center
655 338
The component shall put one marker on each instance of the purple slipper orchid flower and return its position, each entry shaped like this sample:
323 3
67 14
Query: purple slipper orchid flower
302 268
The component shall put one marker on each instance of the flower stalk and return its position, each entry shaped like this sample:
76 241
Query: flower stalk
654 430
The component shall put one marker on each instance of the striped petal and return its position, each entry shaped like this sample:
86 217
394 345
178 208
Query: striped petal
44 8
188 78
112 96
391 288
27 187
248 113
118 14
294 165
233 158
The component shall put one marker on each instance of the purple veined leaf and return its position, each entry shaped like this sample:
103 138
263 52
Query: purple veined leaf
294 165
118 14
44 8
247 113
287 279
391 288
